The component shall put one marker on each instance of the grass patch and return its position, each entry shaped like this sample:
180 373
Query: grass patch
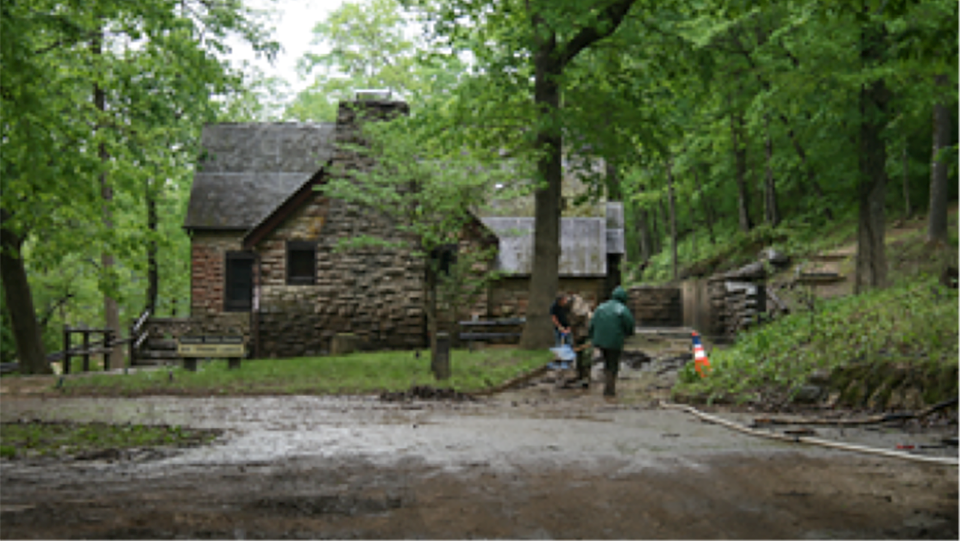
36 438
913 323
358 373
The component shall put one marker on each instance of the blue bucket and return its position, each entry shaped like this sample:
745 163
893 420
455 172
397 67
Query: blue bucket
564 353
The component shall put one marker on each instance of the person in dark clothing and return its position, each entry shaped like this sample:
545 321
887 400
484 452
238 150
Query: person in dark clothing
612 322
561 320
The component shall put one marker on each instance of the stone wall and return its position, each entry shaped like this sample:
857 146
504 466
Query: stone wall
374 294
656 306
158 328
510 296
737 299
208 260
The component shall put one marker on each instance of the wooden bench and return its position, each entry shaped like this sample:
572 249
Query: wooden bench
490 330
230 347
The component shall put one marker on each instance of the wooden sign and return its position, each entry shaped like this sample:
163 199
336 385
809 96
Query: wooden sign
211 346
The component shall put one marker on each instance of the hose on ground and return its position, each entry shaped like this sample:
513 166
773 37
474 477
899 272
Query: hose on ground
947 461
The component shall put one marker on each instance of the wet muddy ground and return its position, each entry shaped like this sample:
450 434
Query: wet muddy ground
535 462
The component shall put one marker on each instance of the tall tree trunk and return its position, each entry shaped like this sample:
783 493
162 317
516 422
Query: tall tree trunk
440 367
905 159
692 213
871 256
707 208
655 226
614 190
614 194
549 60
740 158
153 276
811 174
646 240
770 210
111 311
19 301
642 228
665 227
544 278
937 220
673 218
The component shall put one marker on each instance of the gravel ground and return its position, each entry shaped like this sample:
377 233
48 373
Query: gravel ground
542 461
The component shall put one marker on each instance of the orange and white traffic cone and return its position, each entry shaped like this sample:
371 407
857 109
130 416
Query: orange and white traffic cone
700 360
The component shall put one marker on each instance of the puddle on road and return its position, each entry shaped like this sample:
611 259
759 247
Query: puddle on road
265 429
515 427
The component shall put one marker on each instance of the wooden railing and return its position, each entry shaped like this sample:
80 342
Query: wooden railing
102 347
138 334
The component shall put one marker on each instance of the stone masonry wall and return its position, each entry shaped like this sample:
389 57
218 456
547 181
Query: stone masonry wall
374 294
208 260
509 296
656 306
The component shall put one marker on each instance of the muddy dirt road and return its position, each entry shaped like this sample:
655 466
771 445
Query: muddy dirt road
533 463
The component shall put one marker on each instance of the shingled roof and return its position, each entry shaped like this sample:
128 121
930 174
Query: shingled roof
584 243
250 173
248 170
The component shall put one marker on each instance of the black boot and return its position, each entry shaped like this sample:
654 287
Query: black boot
610 387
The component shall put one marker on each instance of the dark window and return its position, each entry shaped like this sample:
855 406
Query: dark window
301 262
238 290
444 257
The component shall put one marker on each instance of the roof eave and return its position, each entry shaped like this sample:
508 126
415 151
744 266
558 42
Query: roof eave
278 215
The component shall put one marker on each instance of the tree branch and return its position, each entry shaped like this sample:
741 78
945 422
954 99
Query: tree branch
612 15
49 313
63 43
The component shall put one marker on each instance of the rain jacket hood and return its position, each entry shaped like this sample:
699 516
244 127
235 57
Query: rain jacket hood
619 295
612 322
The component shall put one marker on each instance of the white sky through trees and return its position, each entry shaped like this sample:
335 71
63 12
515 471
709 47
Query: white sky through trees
293 22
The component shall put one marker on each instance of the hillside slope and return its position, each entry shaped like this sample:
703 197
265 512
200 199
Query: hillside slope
895 348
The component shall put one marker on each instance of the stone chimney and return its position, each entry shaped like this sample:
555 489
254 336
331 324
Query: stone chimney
350 113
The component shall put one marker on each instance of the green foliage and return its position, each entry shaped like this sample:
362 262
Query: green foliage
371 47
260 99
158 66
914 322
357 373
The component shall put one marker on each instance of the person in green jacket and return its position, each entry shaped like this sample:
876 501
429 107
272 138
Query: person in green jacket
611 324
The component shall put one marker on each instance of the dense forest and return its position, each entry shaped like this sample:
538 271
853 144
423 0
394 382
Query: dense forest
714 120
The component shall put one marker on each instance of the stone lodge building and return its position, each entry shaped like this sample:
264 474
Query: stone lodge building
262 245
